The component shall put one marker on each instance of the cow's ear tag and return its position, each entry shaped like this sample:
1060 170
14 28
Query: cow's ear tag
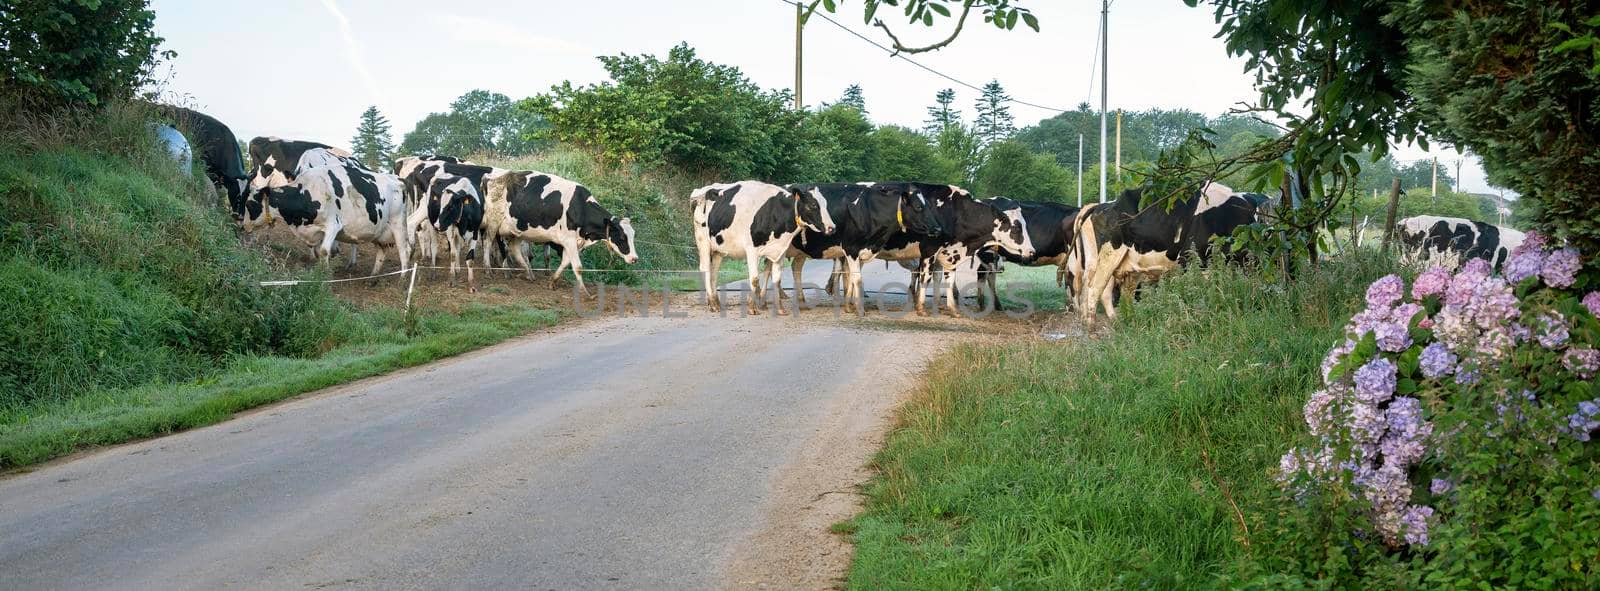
900 217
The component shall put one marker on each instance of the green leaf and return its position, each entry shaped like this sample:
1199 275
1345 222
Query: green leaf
939 8
1032 21
1011 20
1406 387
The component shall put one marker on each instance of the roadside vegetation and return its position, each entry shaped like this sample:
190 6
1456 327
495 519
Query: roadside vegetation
1122 461
133 309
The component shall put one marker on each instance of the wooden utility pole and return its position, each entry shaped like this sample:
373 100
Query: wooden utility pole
1388 220
799 31
1458 175
1355 231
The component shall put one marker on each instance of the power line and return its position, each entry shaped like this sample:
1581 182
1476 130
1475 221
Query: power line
894 54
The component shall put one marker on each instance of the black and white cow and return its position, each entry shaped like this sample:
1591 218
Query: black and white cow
1050 230
1429 236
757 221
276 162
335 202
216 146
418 175
534 207
454 210
1124 242
866 217
966 226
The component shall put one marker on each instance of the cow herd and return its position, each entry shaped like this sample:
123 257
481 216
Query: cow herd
427 205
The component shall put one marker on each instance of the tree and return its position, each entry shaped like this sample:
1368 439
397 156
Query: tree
1419 175
942 115
994 121
853 98
63 52
479 121
900 154
372 144
680 110
849 136
1012 170
1003 14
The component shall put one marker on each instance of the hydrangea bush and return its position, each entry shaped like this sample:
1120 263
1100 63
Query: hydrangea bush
1453 432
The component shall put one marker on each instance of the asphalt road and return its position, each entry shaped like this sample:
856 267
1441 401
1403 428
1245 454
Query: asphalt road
636 454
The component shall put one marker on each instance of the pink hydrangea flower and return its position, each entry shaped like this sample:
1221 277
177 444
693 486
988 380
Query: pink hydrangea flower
1431 282
1581 361
1384 292
1591 301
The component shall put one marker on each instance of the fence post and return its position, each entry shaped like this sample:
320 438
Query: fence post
1388 223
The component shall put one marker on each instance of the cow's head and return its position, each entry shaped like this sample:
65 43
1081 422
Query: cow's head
619 237
454 203
811 210
256 209
916 215
1011 232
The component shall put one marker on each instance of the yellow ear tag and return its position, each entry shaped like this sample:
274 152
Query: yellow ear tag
900 217
798 223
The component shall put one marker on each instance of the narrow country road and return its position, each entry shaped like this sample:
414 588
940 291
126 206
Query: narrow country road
637 453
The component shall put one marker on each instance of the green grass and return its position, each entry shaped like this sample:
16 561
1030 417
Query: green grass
132 309
1120 462
38 432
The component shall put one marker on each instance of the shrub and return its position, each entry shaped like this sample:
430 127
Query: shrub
1450 442
76 51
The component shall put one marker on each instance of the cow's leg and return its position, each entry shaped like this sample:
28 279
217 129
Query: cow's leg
752 271
918 290
330 233
775 283
834 276
951 296
352 262
566 259
795 265
473 244
1103 283
853 300
520 257
378 259
570 251
708 278
455 257
714 291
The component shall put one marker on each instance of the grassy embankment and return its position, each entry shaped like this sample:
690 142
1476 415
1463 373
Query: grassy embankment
1125 461
132 310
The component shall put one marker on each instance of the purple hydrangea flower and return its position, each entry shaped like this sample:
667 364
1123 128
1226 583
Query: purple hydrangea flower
1392 337
1375 381
1591 301
1477 267
1495 302
1582 423
1441 486
1534 240
1437 360
1430 282
1288 467
1404 313
1384 292
1415 524
1560 269
1465 376
1464 286
1334 355
1317 411
1523 263
1367 422
1551 329
1582 361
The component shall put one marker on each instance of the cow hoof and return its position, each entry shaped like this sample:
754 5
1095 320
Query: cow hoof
782 311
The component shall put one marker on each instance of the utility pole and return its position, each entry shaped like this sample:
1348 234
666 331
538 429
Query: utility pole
1388 220
1435 189
1105 52
1080 171
1458 175
799 30
1118 167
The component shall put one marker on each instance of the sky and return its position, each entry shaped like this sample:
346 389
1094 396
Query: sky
306 69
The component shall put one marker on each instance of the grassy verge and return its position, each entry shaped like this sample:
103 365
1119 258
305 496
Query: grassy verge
1125 461
38 432
132 309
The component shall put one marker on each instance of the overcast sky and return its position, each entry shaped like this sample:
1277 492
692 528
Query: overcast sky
306 69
